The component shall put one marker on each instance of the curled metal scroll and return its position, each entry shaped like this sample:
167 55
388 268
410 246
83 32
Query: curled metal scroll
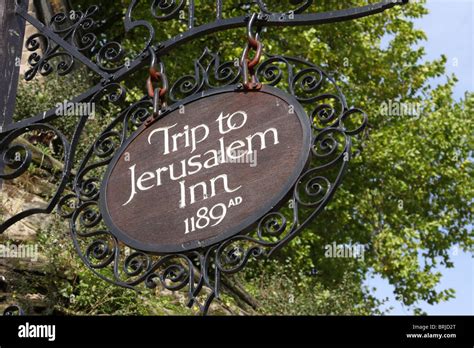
198 272
13 310
68 40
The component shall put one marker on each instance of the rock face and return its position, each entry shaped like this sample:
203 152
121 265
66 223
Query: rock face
21 264
29 30
29 281
13 200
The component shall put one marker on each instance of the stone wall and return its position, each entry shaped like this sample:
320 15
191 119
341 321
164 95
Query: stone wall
29 282
22 279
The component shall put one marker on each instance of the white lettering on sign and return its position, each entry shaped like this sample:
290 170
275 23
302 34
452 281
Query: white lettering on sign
170 139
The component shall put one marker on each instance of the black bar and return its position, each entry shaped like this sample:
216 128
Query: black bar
290 331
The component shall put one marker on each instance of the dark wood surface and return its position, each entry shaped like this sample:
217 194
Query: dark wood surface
153 219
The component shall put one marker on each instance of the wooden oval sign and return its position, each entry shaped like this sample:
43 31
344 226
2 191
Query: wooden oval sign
208 170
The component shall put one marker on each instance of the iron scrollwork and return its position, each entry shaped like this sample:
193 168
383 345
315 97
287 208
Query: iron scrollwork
200 270
70 39
13 310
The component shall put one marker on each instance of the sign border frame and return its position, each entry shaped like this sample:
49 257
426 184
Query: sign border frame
252 220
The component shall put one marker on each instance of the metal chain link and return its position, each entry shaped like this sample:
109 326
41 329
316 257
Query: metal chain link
250 80
156 76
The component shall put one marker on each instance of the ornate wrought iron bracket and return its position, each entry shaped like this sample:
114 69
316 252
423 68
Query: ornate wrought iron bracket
198 271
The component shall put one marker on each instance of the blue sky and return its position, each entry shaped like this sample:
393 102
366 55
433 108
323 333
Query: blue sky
450 31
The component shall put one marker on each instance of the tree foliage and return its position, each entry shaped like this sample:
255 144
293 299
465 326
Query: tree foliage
408 194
